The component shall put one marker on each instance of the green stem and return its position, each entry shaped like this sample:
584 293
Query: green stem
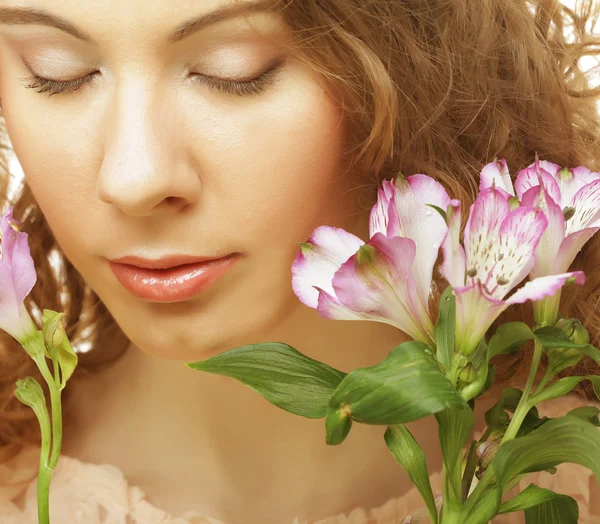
45 474
451 497
523 406
547 376
56 405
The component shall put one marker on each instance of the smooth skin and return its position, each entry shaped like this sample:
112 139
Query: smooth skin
150 158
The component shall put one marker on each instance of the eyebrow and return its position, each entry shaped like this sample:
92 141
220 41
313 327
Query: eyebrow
25 15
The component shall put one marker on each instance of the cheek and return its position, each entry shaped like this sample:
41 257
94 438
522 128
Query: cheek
279 162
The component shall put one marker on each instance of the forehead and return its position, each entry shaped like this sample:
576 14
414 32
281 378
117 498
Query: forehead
92 20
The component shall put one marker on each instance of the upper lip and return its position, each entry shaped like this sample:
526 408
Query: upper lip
162 263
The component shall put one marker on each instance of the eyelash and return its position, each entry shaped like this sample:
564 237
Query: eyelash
254 86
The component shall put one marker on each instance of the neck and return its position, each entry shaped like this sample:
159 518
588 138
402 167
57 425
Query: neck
196 441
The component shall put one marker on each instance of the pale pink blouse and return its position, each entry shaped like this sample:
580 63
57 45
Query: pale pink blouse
85 493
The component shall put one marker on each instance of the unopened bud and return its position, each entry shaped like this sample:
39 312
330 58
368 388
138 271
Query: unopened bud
54 330
580 335
468 374
337 425
486 452
574 329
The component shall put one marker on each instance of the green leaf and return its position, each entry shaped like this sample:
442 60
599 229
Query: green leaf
445 327
589 413
562 386
67 360
564 439
562 510
407 385
454 426
486 508
497 417
543 506
281 374
509 337
410 456
552 337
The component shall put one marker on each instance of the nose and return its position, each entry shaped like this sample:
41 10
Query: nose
145 169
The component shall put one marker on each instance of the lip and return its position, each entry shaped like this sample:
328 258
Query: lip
171 279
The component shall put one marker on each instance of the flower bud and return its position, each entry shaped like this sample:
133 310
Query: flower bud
468 374
29 392
54 330
337 425
486 452
580 335
574 329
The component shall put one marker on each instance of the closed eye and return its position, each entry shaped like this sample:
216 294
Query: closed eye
237 87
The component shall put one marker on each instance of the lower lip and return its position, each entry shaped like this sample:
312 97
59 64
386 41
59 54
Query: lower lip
173 284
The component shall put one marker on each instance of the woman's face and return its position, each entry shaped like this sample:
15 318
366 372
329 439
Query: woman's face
153 157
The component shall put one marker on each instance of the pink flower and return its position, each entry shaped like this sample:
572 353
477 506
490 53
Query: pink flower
17 278
570 199
387 279
498 254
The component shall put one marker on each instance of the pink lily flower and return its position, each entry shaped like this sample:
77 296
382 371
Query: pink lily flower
498 254
17 278
387 279
570 199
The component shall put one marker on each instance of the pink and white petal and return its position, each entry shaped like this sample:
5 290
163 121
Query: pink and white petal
548 166
496 173
551 241
570 246
544 287
482 230
378 281
587 208
330 307
454 264
9 236
379 216
411 217
528 178
10 318
22 267
318 260
520 234
572 180
475 313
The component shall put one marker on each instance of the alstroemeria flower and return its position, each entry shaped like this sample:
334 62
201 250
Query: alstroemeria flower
17 278
498 254
571 201
387 279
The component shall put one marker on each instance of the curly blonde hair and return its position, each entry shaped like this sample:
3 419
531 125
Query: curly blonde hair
439 87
